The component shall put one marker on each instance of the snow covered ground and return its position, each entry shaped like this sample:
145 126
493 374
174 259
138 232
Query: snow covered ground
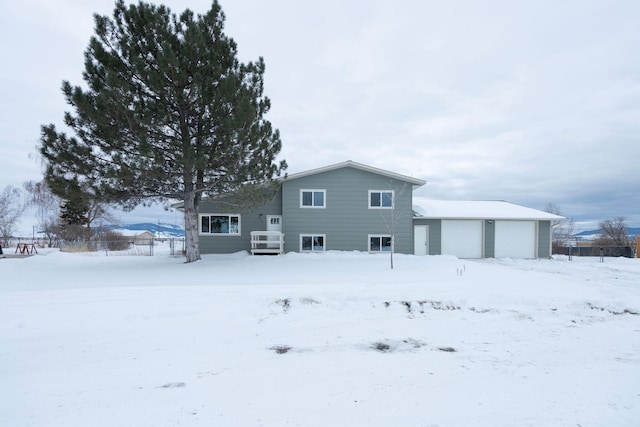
334 339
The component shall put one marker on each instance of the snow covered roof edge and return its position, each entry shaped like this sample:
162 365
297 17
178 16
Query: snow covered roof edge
480 209
356 165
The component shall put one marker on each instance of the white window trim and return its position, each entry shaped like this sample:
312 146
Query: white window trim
312 235
393 199
239 233
381 236
324 198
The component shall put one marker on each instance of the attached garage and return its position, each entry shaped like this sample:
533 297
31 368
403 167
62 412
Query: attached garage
462 238
485 229
515 239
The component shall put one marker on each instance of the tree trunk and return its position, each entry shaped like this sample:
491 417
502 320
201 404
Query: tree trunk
192 243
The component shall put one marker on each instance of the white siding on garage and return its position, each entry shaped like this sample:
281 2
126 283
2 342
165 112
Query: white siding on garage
515 239
462 238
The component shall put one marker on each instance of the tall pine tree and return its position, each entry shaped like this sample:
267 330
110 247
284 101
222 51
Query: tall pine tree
169 113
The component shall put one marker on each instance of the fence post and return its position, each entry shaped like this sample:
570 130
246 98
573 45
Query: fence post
570 253
601 254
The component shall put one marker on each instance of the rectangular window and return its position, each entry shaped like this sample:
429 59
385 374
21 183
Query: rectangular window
380 243
220 224
380 199
312 242
312 198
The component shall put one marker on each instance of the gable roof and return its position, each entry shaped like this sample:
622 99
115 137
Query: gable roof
360 166
480 209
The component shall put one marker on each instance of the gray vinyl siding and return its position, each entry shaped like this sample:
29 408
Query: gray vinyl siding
544 239
346 219
435 234
251 219
489 238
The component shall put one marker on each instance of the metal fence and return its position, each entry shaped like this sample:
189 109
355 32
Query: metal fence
601 251
134 247
174 246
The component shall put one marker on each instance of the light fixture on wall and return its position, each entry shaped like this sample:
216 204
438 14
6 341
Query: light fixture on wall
260 216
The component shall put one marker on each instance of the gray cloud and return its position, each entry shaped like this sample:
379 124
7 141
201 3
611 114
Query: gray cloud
531 102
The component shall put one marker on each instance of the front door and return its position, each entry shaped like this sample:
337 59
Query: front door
421 240
274 223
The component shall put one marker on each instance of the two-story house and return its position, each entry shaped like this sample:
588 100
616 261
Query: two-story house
354 207
348 206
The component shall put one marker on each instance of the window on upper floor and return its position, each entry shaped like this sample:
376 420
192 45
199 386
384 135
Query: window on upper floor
381 199
312 198
223 224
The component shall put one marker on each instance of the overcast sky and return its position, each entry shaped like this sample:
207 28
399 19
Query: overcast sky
527 101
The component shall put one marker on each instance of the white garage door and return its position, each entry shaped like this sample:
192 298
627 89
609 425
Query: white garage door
462 238
515 239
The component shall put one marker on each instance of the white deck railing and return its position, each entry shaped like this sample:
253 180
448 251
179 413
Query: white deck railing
267 242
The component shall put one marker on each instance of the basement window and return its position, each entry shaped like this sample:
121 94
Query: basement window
312 242
379 243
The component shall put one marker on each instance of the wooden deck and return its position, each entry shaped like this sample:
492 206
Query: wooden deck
267 243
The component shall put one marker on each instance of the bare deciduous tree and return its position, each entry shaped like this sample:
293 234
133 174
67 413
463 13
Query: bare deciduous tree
562 231
613 236
11 208
47 207
40 197
614 232
394 217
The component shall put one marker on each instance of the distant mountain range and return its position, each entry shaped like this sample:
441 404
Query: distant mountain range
158 229
633 232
